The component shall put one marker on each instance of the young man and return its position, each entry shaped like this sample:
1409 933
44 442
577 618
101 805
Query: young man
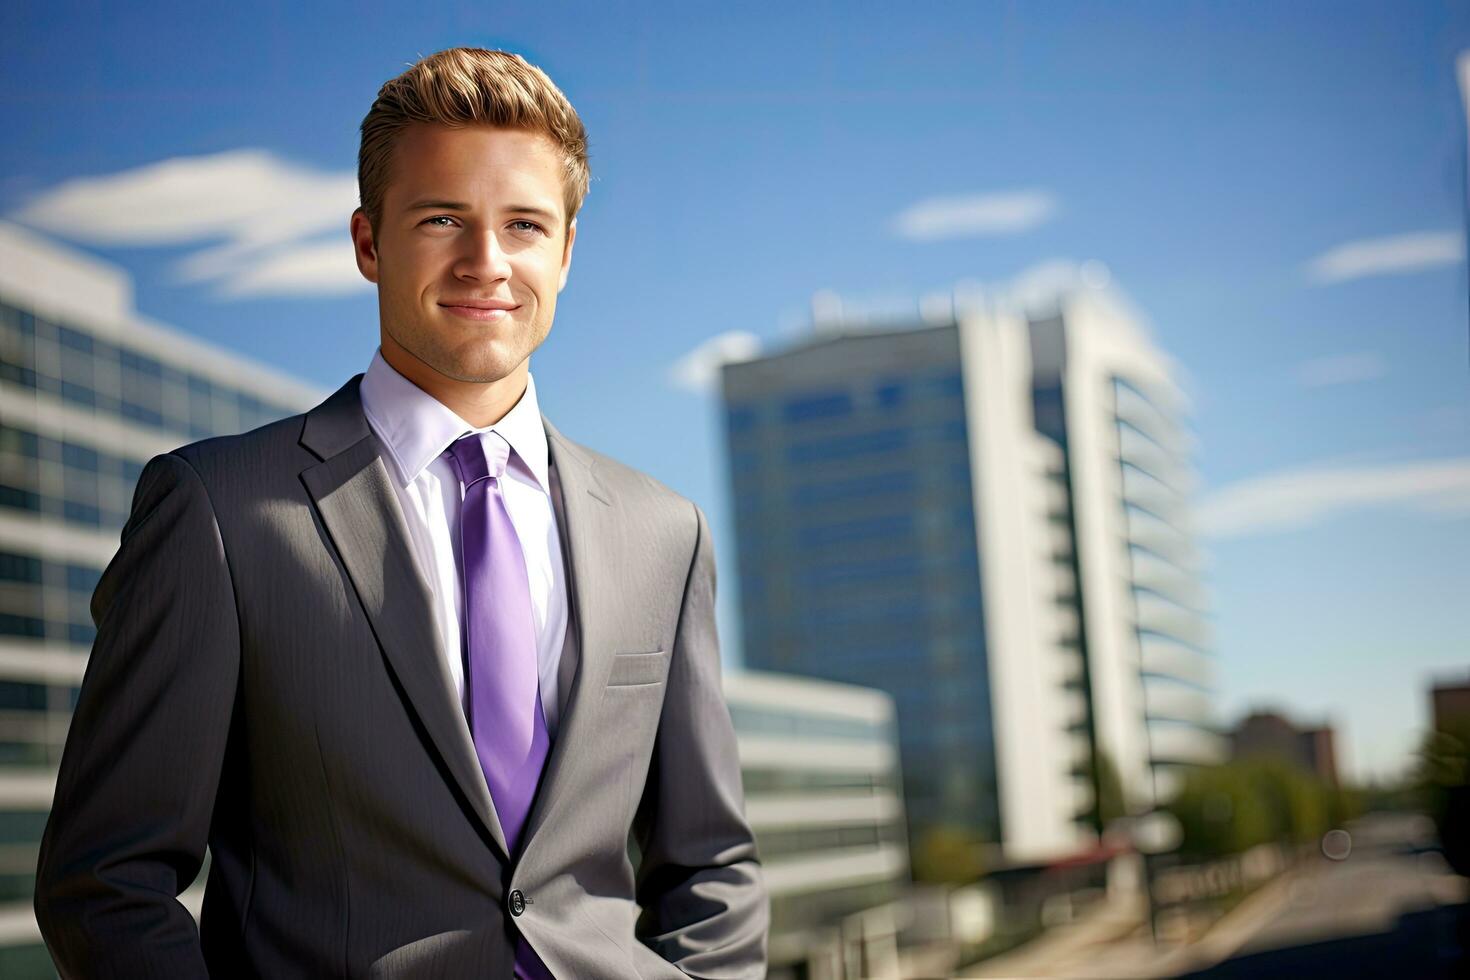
413 665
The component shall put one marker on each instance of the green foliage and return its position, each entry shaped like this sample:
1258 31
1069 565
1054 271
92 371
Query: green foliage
1230 808
1109 788
1441 783
1443 759
948 854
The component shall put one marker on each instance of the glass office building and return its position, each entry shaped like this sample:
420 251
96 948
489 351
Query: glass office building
89 391
857 545
952 510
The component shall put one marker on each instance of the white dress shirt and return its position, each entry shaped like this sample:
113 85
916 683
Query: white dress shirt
417 430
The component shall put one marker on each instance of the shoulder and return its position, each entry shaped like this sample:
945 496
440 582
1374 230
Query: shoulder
623 478
639 493
254 460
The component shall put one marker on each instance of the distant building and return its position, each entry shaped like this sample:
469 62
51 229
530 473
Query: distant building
984 512
1266 734
89 391
823 795
1449 705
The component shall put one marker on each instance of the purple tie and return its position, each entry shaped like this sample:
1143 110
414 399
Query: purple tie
505 715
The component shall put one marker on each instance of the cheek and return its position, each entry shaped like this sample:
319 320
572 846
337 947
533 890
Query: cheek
411 263
548 278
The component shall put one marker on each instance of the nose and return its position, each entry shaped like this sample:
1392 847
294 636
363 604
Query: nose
483 259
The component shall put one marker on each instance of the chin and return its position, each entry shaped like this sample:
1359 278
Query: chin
484 370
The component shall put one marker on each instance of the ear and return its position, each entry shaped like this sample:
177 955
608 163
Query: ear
364 249
566 258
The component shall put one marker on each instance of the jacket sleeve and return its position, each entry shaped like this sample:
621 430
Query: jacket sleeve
699 882
136 788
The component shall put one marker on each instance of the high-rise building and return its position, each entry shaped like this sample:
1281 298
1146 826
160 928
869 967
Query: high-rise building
985 514
89 391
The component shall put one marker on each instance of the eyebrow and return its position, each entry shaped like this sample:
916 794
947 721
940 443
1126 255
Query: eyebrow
461 206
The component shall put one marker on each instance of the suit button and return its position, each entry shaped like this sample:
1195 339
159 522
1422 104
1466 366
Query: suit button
517 902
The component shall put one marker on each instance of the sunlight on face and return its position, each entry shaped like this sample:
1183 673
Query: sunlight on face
472 217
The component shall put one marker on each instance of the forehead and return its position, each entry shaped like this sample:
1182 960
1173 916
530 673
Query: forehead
470 161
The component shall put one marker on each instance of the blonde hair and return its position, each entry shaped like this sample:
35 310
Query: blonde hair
464 86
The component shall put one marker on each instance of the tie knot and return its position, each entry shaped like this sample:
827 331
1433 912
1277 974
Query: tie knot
480 455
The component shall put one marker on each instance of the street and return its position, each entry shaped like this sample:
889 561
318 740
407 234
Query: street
1390 909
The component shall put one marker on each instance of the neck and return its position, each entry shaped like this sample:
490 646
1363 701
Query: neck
480 403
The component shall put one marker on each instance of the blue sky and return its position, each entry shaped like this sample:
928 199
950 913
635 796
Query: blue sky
1279 187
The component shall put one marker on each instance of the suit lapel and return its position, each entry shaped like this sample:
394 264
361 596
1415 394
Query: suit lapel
590 539
354 496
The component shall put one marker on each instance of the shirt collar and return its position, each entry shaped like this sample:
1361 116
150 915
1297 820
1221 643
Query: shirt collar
417 428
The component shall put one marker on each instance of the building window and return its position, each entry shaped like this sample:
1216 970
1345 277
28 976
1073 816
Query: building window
848 446
80 457
19 498
22 696
889 526
19 568
81 579
949 385
825 406
890 395
741 419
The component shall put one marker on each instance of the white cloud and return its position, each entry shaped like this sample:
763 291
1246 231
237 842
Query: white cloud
257 208
1338 369
970 215
699 370
1411 252
1308 495
310 269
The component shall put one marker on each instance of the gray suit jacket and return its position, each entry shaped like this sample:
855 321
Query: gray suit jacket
266 680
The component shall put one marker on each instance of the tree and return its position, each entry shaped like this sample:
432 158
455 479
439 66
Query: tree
949 854
1108 786
1230 808
1442 780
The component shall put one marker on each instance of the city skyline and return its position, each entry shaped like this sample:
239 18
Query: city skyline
1281 194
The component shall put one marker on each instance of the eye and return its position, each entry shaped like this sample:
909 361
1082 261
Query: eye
529 226
438 217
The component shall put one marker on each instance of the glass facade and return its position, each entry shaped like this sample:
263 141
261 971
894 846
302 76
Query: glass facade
88 486
69 364
857 553
65 493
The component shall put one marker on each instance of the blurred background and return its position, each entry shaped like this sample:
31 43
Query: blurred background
1077 391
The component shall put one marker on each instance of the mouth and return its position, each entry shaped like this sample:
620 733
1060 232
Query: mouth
492 312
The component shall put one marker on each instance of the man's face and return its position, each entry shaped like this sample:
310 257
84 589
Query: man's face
472 217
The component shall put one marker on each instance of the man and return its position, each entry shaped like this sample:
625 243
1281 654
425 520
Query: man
413 665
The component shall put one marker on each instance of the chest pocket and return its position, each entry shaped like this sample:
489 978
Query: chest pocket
637 669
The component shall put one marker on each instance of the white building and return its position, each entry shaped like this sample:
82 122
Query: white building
1083 479
984 512
822 793
89 391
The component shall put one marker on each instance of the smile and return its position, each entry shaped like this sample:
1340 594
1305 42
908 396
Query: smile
475 313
